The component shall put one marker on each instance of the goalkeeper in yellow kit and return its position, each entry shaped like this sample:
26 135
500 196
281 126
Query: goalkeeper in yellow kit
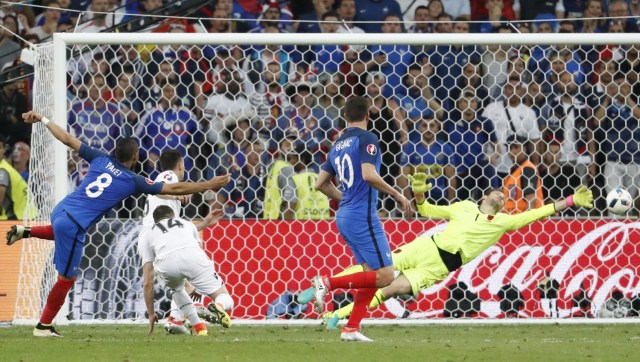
471 230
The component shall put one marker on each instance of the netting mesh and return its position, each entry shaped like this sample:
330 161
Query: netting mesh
37 274
268 116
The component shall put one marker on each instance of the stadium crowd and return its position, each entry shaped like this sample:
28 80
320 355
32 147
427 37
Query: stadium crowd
536 120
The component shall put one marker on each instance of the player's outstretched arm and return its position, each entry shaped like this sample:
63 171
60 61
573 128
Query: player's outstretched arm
148 276
57 131
323 183
420 187
370 175
184 188
583 197
211 219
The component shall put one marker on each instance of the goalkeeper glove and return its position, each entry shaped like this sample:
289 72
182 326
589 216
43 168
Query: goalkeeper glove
582 198
419 183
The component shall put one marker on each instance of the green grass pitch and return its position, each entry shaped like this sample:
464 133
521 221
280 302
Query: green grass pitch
312 343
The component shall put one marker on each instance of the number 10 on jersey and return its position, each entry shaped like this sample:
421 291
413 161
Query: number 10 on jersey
344 167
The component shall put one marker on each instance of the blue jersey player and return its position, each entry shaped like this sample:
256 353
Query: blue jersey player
355 160
108 182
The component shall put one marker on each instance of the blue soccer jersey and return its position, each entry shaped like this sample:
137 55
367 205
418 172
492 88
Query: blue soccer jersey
357 218
106 184
355 147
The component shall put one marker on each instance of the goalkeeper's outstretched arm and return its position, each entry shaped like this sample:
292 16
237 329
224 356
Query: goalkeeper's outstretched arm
57 131
581 198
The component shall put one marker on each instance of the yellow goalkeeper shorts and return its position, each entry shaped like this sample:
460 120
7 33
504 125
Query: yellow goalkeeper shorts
420 262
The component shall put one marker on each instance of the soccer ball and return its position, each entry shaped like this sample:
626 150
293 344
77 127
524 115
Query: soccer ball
619 201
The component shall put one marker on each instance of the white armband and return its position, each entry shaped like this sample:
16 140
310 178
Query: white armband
45 120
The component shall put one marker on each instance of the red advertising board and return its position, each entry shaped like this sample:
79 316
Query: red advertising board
261 259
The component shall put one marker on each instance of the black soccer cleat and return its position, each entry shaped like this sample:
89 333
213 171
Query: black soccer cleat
18 232
42 330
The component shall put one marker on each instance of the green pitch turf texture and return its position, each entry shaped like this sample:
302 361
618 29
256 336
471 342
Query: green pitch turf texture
309 343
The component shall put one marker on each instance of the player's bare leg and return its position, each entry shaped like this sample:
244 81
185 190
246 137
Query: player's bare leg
221 305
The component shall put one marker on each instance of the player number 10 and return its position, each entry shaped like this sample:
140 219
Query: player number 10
342 162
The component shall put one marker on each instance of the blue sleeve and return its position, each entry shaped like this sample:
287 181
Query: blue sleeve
147 186
327 166
369 148
89 153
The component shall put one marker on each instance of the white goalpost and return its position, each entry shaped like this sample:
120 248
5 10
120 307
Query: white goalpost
261 260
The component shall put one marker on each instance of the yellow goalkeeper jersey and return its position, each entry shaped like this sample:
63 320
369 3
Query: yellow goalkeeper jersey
470 231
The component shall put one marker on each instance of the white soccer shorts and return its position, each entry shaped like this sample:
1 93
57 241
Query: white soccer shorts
192 265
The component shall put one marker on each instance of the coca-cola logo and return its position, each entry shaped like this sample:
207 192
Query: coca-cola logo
600 256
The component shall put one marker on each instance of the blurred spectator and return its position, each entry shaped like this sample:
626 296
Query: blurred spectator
9 48
63 6
97 17
386 122
592 11
523 186
270 103
376 11
480 9
308 23
471 80
619 9
12 105
493 17
13 189
631 67
238 132
433 157
346 11
169 126
448 62
151 90
565 118
330 101
308 122
243 197
273 16
127 58
565 60
142 7
473 137
559 178
260 61
457 8
328 57
126 98
510 117
280 189
528 10
444 24
227 99
220 23
618 134
51 17
495 61
418 101
421 16
20 155
311 203
392 60
93 120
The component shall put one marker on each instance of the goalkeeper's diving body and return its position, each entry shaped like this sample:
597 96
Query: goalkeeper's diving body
471 230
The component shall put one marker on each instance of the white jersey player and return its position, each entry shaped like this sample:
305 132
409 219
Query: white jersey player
172 163
172 250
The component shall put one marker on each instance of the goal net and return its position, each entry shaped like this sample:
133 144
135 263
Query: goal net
467 109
